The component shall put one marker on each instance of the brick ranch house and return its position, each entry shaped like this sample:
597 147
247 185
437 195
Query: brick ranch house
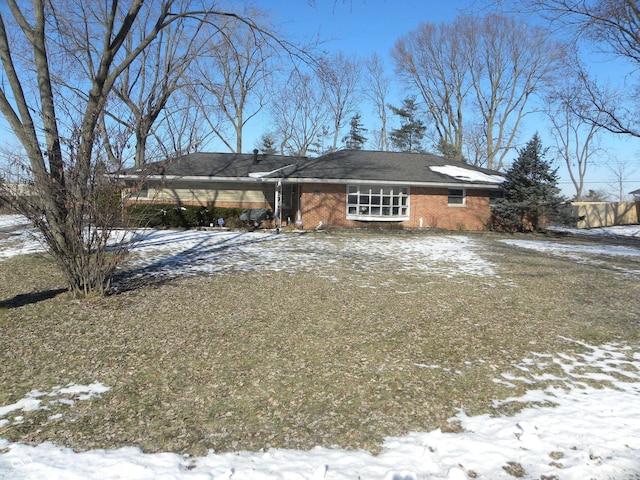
346 188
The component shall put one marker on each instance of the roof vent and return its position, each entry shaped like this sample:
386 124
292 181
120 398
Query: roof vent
255 156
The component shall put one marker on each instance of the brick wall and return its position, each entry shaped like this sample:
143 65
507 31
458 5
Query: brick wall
431 204
327 204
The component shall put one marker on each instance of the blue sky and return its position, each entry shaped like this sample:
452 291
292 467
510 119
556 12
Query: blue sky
362 27
365 26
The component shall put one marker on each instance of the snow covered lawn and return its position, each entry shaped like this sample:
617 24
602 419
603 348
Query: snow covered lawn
582 405
587 433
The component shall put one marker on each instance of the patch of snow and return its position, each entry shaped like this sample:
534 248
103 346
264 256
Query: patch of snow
580 253
566 248
33 400
191 252
616 231
11 221
587 433
467 174
22 242
26 404
83 392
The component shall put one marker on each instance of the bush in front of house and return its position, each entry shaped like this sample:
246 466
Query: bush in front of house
161 215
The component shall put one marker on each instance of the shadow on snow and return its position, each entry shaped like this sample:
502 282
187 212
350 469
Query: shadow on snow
205 250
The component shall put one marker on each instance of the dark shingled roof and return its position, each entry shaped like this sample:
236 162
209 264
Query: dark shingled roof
342 165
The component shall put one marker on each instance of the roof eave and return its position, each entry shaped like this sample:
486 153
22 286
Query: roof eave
339 181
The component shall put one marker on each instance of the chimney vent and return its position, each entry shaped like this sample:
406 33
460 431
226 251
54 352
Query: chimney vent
255 156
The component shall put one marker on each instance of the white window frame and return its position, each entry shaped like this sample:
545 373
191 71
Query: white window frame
463 197
378 203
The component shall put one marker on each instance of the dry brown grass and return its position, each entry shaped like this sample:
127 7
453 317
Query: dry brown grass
277 359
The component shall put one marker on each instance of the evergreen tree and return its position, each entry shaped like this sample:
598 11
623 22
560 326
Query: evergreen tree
355 139
449 150
530 191
408 138
593 196
267 144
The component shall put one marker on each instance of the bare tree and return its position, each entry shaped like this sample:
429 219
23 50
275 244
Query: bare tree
340 78
377 90
182 129
510 62
232 76
621 170
71 203
298 113
577 140
491 65
146 84
431 60
611 27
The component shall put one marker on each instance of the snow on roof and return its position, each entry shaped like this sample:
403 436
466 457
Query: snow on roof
469 175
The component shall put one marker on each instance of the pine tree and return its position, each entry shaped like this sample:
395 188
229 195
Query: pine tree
408 138
267 144
530 191
449 150
355 139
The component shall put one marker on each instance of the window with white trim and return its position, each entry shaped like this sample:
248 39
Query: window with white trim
377 203
456 197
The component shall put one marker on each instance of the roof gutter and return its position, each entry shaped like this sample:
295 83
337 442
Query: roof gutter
339 181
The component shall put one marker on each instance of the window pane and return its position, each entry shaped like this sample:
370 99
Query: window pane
374 201
456 196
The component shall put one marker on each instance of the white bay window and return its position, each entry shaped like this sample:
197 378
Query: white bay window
377 203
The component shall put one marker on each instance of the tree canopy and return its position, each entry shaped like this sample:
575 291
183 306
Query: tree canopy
355 139
530 191
408 137
63 63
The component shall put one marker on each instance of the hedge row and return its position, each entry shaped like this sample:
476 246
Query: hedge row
156 215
